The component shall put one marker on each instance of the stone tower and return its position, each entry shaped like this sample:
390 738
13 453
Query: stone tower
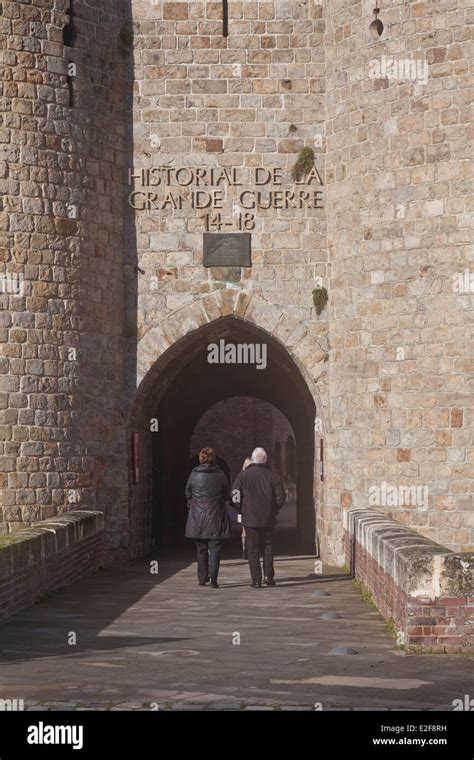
63 155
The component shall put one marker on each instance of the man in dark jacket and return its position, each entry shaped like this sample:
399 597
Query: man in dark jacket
208 523
259 494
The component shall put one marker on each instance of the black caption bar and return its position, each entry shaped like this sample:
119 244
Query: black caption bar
79 734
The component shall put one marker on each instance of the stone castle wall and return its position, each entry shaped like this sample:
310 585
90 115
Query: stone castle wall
109 288
399 214
206 101
61 232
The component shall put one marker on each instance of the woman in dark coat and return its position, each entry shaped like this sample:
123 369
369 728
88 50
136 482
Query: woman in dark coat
208 523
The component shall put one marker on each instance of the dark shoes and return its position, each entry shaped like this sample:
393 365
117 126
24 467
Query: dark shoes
267 582
208 581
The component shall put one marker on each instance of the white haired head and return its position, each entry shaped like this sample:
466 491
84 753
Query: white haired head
259 456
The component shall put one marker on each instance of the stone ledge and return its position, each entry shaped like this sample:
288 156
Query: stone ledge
44 540
422 588
421 567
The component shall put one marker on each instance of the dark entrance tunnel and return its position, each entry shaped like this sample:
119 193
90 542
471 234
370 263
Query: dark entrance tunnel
188 386
234 427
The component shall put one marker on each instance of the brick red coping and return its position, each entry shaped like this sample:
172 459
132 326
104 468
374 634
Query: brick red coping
49 556
420 587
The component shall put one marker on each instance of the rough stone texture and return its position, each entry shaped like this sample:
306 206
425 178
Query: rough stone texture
424 590
394 393
388 362
202 100
399 220
61 228
159 368
49 556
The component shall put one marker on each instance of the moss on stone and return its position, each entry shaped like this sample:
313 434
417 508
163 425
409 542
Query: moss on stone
6 541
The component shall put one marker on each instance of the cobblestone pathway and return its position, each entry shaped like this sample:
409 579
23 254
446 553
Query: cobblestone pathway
161 642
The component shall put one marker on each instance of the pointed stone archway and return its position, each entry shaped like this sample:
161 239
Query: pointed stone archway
169 361
297 337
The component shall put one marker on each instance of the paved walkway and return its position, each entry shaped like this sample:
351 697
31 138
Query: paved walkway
162 642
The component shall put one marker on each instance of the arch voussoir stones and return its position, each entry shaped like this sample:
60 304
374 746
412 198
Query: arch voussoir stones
279 324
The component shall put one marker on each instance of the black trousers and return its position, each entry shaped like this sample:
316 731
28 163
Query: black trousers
208 558
260 541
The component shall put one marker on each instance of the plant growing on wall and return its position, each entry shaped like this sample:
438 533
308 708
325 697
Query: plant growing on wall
292 129
320 299
304 162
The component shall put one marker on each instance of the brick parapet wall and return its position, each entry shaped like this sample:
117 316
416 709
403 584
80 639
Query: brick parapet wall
47 557
420 587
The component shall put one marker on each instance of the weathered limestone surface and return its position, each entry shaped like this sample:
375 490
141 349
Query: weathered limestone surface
399 221
107 291
419 586
61 174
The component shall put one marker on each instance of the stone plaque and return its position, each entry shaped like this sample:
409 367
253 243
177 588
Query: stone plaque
227 250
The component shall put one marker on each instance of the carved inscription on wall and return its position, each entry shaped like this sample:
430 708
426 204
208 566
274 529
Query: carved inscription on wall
208 189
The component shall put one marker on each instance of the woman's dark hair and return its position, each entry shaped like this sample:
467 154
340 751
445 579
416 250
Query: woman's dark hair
207 456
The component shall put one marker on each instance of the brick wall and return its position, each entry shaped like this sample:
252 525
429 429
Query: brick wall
235 426
47 557
420 587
